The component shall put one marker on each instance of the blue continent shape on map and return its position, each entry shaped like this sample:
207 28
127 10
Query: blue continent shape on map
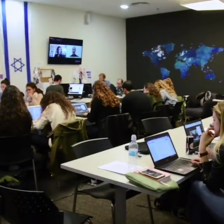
198 57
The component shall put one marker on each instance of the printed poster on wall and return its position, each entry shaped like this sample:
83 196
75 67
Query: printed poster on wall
82 76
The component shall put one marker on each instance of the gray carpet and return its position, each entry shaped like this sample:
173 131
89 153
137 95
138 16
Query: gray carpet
137 211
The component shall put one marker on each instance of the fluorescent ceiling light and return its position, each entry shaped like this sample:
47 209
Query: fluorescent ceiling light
124 6
204 5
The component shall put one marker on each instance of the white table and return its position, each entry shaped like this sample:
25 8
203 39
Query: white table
216 100
88 166
83 100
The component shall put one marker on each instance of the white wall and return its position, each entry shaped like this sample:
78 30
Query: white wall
104 48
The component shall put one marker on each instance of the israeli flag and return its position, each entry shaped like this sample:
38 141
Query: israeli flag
15 26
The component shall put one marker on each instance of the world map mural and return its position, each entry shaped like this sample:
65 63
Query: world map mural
199 57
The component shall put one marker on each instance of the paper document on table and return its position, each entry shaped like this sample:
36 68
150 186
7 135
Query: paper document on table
118 167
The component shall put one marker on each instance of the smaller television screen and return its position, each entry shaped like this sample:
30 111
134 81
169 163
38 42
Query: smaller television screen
75 89
65 51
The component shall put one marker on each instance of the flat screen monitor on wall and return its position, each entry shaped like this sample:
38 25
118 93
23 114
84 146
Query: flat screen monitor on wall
65 51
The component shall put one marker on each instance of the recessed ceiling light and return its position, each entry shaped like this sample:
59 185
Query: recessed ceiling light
204 5
124 6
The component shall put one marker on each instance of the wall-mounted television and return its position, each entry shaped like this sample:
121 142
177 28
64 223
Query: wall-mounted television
64 51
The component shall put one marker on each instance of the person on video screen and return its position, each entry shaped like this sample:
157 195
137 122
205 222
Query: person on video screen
59 53
74 52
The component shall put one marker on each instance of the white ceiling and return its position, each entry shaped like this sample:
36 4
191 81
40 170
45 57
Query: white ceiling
112 7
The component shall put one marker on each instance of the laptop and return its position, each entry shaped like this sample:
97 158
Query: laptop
195 129
35 112
164 155
80 109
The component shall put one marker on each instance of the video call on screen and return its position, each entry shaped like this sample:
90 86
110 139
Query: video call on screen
65 51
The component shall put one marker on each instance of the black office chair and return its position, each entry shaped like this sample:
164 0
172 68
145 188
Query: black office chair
17 157
164 110
102 191
156 124
175 112
25 207
139 125
119 129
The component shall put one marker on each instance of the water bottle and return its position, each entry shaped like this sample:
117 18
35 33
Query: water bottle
133 154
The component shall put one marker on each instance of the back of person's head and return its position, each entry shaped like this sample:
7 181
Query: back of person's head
31 86
57 78
150 89
161 85
105 94
58 98
4 83
13 108
102 76
127 86
169 82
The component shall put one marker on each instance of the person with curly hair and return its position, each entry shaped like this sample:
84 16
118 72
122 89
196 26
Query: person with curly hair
104 103
152 92
169 82
168 95
15 118
56 110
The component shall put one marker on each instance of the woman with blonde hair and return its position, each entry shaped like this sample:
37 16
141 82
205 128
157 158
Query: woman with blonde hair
202 197
104 103
169 82
168 95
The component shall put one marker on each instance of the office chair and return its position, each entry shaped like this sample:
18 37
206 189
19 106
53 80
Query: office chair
15 155
156 125
119 129
25 207
102 191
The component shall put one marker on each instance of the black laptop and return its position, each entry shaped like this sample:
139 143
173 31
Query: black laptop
195 129
80 109
164 155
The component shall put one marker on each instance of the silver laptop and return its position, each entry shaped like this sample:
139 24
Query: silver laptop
80 109
164 155
35 112
195 129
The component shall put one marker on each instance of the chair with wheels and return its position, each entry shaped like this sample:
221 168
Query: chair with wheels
102 191
156 124
119 129
25 207
17 157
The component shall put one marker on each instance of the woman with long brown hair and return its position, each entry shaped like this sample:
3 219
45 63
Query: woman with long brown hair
153 92
33 94
104 103
56 110
168 95
15 119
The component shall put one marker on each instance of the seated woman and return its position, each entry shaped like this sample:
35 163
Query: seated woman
56 110
213 177
4 83
153 93
168 95
33 94
15 119
104 103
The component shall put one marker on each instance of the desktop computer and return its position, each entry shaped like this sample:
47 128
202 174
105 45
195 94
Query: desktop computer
87 90
75 90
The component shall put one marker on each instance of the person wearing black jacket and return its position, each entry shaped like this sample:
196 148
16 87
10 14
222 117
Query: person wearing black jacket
104 104
212 171
134 102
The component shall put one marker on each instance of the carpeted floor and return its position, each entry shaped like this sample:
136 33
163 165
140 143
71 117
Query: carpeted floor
137 211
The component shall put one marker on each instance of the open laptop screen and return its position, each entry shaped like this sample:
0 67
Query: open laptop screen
194 129
35 112
75 89
80 108
161 147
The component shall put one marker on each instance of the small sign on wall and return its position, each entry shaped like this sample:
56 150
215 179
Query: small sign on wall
1 76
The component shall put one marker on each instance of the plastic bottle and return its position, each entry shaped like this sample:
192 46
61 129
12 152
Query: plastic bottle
133 154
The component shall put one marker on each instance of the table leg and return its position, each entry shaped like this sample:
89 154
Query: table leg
120 205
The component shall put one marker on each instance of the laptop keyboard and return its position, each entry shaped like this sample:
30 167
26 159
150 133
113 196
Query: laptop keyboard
178 164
